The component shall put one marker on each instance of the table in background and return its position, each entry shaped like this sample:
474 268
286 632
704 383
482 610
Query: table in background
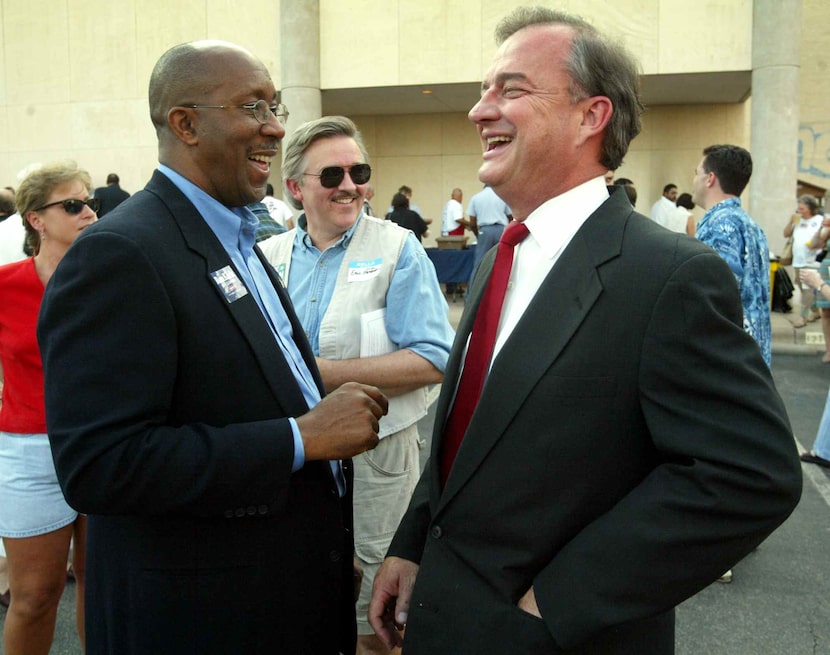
453 267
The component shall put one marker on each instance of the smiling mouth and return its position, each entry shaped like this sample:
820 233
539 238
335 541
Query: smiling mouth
344 200
494 142
263 161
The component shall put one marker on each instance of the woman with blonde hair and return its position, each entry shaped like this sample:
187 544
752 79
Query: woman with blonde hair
36 524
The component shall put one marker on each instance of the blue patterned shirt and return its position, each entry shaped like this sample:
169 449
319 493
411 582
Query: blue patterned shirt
729 230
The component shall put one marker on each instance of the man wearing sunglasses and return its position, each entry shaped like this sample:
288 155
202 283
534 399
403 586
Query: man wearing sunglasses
369 300
191 428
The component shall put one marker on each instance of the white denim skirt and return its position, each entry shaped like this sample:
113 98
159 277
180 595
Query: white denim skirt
31 501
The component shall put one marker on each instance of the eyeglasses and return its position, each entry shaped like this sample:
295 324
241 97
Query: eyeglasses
332 176
261 110
74 206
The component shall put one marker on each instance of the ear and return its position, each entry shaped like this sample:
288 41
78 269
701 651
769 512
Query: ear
295 189
712 180
596 113
34 220
182 123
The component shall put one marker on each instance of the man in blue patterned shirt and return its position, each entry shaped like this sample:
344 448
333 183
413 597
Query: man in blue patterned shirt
719 179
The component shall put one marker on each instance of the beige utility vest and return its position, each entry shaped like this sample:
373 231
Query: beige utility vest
361 287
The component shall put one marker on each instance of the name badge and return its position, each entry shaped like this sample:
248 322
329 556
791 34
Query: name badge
229 284
363 271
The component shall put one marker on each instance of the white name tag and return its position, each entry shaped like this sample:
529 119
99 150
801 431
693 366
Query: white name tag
229 284
363 271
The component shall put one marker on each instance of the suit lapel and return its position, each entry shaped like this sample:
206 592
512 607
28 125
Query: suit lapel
245 311
561 304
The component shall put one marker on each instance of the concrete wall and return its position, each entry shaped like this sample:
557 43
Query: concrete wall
814 92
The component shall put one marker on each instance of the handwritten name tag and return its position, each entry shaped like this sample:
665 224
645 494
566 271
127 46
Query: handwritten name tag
363 271
229 284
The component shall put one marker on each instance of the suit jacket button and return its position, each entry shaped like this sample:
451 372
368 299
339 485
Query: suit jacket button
436 532
240 512
334 556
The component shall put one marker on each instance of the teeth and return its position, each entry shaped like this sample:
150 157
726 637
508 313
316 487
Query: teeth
497 139
343 201
263 158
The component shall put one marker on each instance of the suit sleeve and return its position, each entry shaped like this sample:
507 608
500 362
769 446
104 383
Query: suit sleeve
727 475
113 347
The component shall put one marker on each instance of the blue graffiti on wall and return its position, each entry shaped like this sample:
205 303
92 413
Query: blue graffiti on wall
814 151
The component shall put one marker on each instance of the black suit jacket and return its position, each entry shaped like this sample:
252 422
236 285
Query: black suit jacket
629 446
166 406
110 196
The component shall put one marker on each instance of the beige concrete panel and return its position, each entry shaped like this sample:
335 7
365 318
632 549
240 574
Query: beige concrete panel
459 135
3 74
159 26
693 127
134 166
814 95
814 92
115 124
636 168
101 49
677 127
38 126
36 34
411 134
4 129
643 141
359 44
461 171
421 173
436 39
254 26
368 127
704 36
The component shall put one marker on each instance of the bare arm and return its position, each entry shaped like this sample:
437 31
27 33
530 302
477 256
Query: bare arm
788 230
690 225
813 280
394 373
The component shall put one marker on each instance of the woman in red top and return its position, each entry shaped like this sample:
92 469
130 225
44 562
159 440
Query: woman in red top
35 522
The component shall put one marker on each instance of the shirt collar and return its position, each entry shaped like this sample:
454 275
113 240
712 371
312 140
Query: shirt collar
305 240
233 226
727 203
554 222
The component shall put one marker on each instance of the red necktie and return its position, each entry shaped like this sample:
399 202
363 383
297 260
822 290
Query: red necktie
480 351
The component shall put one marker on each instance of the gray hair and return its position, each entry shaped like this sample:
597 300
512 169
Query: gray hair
597 67
295 148
809 202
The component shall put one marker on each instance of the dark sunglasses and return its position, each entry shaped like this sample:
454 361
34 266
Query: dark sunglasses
74 206
332 176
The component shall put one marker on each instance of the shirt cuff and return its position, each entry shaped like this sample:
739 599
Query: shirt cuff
299 451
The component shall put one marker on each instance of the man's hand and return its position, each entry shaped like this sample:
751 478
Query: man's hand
344 423
528 603
391 593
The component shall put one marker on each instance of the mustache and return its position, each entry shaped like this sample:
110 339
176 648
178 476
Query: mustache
270 145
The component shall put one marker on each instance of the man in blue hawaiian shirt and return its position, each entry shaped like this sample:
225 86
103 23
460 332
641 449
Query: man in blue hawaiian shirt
719 179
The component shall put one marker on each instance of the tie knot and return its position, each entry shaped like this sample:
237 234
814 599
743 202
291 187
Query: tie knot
514 233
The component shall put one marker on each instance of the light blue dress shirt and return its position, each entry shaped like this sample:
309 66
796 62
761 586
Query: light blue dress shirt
236 229
416 311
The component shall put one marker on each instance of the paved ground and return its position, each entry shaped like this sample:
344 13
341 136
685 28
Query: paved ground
779 601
